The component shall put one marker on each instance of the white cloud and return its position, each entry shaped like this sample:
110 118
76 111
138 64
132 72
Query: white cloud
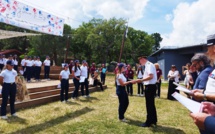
168 17
192 23
80 11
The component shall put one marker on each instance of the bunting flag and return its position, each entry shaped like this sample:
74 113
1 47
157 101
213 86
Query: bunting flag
18 14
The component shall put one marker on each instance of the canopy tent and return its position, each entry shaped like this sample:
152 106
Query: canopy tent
10 34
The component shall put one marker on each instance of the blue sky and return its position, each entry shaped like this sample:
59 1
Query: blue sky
180 22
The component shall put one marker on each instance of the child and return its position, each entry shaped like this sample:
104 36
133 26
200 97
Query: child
64 79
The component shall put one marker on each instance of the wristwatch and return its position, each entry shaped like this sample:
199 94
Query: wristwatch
204 97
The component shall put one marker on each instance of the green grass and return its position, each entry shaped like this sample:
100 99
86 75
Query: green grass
99 115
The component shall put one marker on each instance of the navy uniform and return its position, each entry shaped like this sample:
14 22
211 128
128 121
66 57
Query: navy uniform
121 93
38 65
64 79
47 64
23 66
1 62
15 60
29 64
8 77
150 79
84 73
76 72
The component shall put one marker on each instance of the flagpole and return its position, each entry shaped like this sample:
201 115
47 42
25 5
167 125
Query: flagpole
123 44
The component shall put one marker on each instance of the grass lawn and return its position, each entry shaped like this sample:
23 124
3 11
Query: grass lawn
99 115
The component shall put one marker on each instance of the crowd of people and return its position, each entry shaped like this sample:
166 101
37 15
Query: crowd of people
199 78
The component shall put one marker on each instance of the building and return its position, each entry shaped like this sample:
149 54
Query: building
179 56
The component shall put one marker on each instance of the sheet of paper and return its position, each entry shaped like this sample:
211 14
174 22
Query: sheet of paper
192 105
182 88
82 79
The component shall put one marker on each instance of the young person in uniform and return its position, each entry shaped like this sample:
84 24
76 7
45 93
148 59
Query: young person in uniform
149 79
29 64
140 88
103 71
37 65
121 92
76 73
93 69
7 80
15 60
64 79
84 73
23 66
46 64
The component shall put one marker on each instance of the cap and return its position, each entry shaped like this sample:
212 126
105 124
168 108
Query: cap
10 55
47 56
211 40
173 66
65 65
77 61
121 65
142 56
38 57
10 62
15 55
29 57
84 61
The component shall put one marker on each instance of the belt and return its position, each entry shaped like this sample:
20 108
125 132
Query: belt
65 79
10 83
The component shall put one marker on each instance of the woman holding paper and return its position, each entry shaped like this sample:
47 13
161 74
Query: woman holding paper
173 76
76 73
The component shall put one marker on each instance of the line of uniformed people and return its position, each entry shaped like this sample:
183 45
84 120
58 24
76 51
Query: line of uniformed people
3 61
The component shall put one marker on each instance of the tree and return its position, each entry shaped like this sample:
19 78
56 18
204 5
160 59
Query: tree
157 39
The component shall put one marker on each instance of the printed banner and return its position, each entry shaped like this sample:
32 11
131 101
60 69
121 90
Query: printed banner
21 15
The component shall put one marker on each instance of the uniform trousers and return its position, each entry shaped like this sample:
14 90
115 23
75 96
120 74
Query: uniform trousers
64 89
33 72
140 88
84 84
158 84
130 88
123 101
77 85
150 104
15 67
24 71
97 82
103 76
46 72
1 66
37 72
29 73
8 90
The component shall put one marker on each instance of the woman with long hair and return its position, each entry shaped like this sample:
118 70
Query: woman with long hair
76 73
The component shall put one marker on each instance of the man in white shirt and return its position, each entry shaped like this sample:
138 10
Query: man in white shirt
84 73
29 64
149 79
1 62
47 64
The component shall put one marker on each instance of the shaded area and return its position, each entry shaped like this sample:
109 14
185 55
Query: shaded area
16 120
89 99
53 122
158 128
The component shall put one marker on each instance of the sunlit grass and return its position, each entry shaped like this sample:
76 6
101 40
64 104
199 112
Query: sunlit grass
99 115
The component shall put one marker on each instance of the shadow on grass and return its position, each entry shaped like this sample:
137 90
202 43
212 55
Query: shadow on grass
72 103
17 120
158 128
167 130
39 127
89 99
